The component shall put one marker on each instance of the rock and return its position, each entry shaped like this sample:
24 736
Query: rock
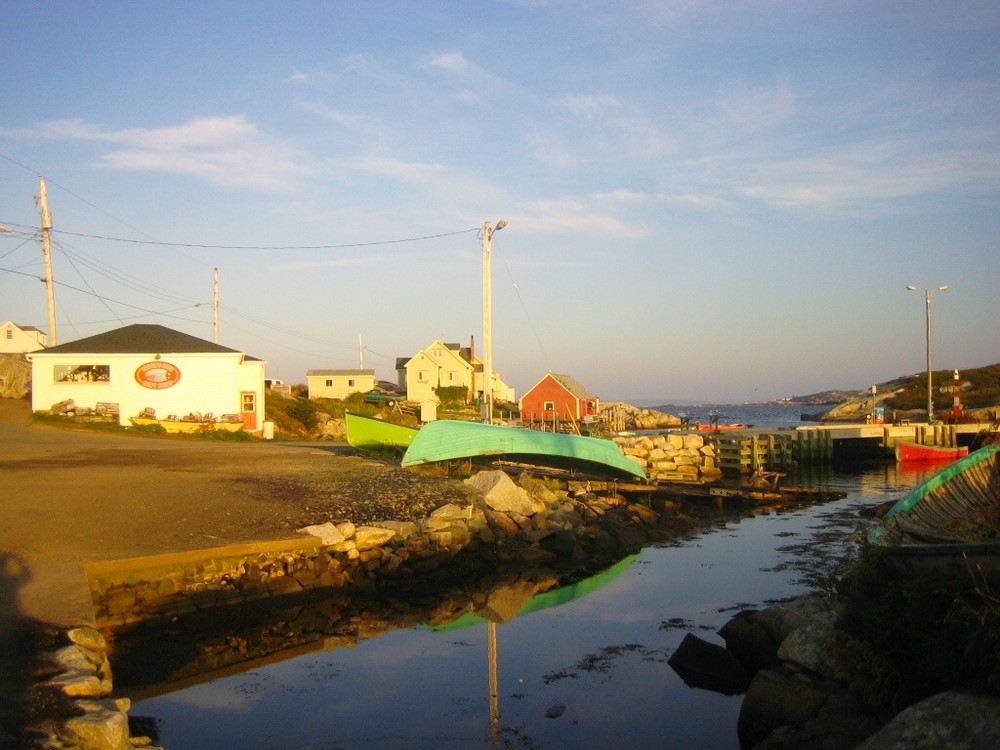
87 673
88 638
100 728
708 666
502 495
333 429
776 698
781 619
808 646
503 524
946 721
750 643
404 529
452 512
369 537
328 533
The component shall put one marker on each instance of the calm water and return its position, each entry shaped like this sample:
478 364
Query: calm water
759 415
590 673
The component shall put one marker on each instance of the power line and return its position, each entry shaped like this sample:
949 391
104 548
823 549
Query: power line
93 294
267 247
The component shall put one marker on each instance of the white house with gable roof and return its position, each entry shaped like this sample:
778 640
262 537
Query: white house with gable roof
143 366
15 339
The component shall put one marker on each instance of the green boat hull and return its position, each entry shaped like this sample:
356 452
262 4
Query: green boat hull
367 433
551 598
448 440
935 524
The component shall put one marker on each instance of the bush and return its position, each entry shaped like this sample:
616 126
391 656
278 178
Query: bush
452 395
904 639
305 412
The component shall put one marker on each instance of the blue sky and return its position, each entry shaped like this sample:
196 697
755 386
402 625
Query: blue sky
717 201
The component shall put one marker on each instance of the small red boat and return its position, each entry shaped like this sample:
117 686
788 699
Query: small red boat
917 452
727 426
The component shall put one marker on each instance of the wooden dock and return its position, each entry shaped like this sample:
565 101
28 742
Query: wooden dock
719 491
750 450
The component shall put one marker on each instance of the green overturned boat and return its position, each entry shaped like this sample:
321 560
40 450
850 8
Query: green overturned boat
370 434
952 518
449 440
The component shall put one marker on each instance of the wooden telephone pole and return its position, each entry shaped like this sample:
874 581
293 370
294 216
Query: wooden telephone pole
215 303
43 204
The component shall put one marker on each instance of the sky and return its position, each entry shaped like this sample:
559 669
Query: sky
708 201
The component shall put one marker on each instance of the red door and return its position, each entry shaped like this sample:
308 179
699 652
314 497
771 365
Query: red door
248 410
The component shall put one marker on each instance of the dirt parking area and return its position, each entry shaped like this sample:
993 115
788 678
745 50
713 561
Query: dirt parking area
69 497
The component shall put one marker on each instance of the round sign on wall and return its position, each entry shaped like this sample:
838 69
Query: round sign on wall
157 375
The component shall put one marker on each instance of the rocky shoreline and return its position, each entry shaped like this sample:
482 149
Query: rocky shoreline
498 521
782 658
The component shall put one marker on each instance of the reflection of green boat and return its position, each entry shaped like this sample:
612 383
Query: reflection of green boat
447 440
953 517
551 598
370 434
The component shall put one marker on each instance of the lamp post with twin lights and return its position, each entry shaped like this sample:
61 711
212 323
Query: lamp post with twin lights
488 231
930 386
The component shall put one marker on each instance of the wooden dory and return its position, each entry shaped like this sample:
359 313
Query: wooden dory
448 440
368 433
953 517
916 452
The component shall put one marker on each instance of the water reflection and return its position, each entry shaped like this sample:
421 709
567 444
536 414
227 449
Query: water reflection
515 660
153 661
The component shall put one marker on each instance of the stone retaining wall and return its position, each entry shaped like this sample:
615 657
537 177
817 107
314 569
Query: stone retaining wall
526 522
674 457
507 517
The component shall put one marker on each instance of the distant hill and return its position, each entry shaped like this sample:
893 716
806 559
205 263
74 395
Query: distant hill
822 398
979 389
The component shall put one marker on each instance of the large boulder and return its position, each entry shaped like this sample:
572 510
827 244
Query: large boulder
501 495
708 666
946 721
750 642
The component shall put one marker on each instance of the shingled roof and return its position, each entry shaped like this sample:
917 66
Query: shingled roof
574 386
140 338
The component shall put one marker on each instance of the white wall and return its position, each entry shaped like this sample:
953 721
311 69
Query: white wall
208 383
340 386
15 341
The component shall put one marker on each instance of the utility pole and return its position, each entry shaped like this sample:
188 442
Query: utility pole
43 204
215 303
930 359
361 351
488 316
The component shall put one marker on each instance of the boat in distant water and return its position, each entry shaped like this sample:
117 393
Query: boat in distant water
915 452
953 517
449 440
368 433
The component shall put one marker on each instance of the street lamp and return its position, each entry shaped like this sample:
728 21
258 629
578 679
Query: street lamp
488 231
930 387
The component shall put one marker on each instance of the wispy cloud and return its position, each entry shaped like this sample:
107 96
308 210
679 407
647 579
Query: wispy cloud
224 150
447 185
474 84
867 177
595 215
455 63
750 109
626 125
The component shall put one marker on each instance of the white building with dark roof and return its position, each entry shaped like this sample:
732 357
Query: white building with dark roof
338 383
142 367
15 339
